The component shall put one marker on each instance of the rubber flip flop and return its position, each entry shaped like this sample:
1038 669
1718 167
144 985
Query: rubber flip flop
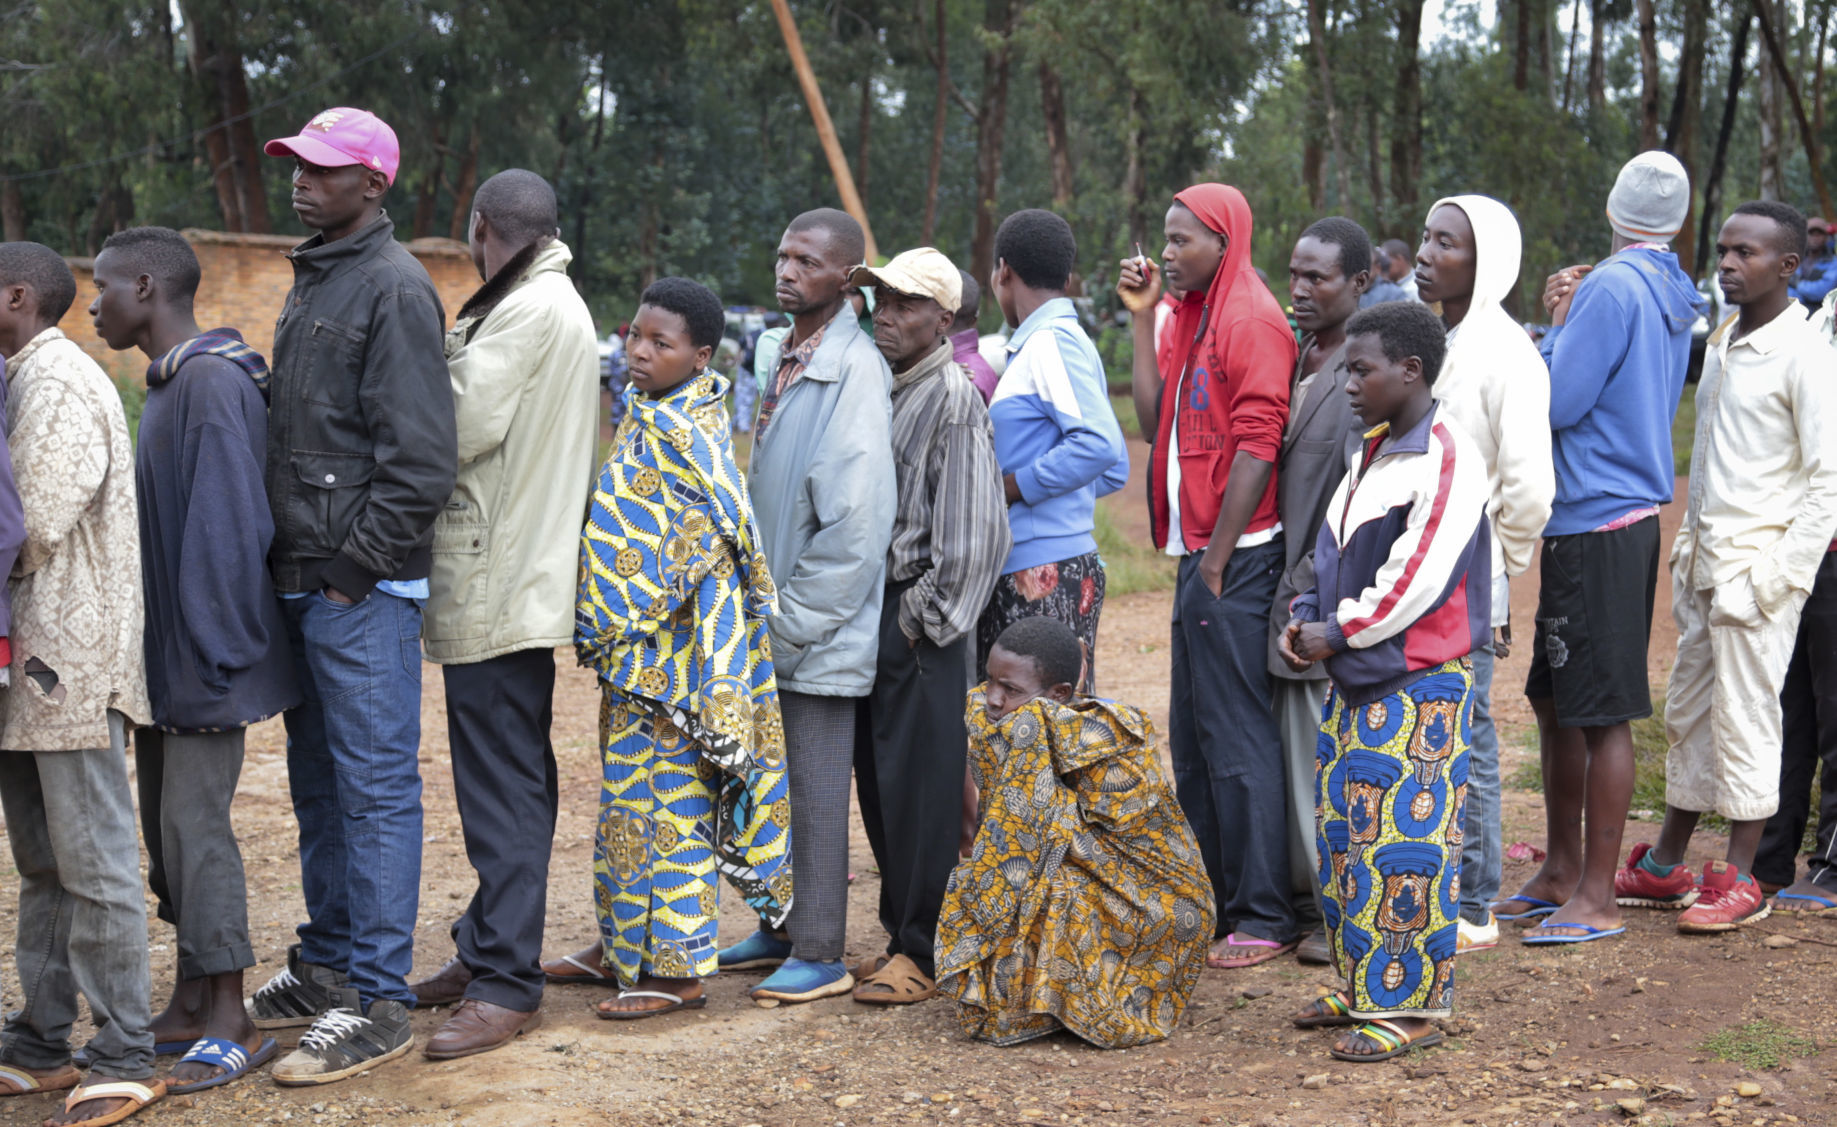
1824 903
588 976
1263 951
1550 938
1538 908
221 1052
1390 1038
17 1081
677 1003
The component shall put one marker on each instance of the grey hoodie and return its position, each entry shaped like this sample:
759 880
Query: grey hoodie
822 485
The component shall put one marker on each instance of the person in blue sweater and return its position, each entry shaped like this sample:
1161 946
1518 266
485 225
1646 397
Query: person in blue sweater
1056 438
1617 352
1817 275
216 646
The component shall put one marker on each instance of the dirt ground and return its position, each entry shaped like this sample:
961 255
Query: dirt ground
1607 1032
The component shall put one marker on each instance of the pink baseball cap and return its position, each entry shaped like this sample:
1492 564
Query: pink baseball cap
343 136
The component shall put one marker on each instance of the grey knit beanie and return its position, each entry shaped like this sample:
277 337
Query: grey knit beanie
1650 199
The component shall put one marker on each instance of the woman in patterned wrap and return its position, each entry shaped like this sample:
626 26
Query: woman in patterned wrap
671 616
1083 904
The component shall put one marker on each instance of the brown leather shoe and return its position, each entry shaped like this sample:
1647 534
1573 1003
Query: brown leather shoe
479 1027
446 986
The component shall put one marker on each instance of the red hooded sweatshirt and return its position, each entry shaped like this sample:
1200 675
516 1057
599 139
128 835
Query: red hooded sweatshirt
1227 364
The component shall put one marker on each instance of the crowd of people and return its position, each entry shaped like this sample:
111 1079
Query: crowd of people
902 589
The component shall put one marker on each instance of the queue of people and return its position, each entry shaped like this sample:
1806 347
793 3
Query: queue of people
1347 511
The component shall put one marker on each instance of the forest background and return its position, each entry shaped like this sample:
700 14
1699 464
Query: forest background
679 143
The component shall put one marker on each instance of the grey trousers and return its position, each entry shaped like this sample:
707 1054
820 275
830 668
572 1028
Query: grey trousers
1297 707
194 865
82 918
819 758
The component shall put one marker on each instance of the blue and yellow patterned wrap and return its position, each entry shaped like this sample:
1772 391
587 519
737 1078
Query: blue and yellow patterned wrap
674 594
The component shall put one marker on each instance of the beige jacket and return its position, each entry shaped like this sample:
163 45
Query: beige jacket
527 394
77 614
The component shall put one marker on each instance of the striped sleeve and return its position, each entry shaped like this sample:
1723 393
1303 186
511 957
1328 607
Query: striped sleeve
1424 556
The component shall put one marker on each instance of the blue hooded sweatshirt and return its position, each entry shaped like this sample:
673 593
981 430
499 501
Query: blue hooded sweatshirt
1617 368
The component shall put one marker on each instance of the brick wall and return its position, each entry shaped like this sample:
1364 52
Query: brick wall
245 281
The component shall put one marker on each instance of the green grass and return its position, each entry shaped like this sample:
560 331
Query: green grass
1649 747
1129 565
1684 432
1758 1044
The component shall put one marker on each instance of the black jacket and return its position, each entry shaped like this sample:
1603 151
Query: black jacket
362 449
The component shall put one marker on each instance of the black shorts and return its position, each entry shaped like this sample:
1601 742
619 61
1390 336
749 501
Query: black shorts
1594 619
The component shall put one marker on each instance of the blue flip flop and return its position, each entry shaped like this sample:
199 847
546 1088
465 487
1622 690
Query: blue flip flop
80 1058
1538 908
1825 903
221 1052
1531 938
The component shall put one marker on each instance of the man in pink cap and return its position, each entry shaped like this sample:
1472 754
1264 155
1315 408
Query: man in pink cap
362 454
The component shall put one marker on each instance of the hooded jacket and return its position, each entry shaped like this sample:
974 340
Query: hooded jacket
216 645
526 393
1617 367
1225 374
1495 387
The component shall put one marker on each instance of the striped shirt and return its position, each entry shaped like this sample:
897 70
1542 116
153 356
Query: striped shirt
950 528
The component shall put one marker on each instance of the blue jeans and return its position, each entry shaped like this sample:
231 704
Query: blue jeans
1230 773
1482 853
351 764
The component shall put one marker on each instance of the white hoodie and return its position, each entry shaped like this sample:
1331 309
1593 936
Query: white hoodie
1494 384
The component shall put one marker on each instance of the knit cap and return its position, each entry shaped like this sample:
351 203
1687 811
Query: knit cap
1651 196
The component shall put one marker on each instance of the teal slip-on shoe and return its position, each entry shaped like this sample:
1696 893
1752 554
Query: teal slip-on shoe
760 949
801 981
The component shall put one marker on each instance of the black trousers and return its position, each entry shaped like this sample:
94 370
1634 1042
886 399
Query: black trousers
1808 738
910 752
498 715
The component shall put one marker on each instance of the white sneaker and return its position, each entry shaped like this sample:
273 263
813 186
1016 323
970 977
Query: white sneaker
1476 937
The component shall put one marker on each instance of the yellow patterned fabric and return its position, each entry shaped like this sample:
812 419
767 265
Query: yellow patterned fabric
1084 903
671 614
1390 794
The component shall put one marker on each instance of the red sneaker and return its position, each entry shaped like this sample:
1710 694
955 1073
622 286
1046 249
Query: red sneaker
1635 886
1729 900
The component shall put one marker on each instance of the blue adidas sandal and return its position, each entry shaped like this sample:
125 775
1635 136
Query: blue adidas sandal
220 1052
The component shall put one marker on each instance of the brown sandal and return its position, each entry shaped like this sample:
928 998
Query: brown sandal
898 983
869 967
582 968
16 1081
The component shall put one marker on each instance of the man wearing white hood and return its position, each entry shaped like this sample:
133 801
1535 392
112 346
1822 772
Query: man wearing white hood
1495 386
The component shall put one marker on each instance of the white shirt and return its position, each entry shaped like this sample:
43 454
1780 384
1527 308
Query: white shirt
1763 472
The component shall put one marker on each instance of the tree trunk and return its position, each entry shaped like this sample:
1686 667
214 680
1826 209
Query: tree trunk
1766 81
1790 88
468 183
245 152
1317 32
1712 184
1648 74
1135 177
1521 44
864 131
939 119
12 212
991 129
1374 162
1058 145
1406 124
1597 54
1575 28
1546 73
222 175
1686 109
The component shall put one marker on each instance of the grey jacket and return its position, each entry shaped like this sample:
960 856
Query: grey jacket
1316 448
822 486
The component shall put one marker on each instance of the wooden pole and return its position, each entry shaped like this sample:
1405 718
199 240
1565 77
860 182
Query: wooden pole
825 129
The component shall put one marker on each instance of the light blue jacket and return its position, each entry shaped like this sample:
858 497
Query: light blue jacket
822 485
